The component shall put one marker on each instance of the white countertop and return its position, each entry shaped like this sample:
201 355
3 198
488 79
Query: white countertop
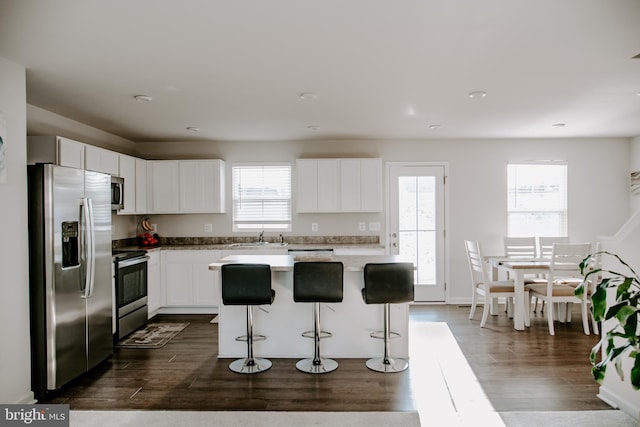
285 262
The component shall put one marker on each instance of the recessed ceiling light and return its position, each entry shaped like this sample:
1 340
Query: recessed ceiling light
143 98
308 96
558 125
411 111
313 127
477 94
192 129
435 127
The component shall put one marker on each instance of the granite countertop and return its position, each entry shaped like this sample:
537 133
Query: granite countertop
229 243
231 246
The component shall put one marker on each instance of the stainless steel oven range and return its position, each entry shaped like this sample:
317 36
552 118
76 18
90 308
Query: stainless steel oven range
130 279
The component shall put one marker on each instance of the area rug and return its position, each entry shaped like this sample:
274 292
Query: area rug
152 335
241 419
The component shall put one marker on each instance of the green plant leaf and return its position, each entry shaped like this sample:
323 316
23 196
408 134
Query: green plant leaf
624 312
599 303
635 371
598 372
622 292
622 339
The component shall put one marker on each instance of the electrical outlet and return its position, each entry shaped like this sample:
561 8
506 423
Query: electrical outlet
314 226
154 228
374 226
208 228
362 226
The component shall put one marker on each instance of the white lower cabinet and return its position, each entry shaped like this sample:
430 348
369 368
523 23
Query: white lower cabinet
154 290
189 286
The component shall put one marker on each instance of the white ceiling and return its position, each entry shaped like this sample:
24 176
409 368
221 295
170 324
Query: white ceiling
380 68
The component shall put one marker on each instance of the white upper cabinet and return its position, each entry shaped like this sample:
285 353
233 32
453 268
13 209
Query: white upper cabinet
328 185
134 172
127 170
307 185
55 149
71 153
141 186
186 186
371 185
100 160
201 186
164 187
350 185
339 185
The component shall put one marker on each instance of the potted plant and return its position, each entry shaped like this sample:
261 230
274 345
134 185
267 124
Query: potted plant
623 339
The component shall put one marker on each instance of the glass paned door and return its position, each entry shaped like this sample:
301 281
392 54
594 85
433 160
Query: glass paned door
416 216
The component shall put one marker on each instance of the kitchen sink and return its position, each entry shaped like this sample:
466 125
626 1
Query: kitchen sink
258 245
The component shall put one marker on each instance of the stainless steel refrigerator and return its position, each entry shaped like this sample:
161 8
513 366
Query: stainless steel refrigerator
69 273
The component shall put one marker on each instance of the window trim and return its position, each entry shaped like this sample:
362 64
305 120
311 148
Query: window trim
261 225
564 211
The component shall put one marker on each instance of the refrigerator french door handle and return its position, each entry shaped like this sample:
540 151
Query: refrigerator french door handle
89 246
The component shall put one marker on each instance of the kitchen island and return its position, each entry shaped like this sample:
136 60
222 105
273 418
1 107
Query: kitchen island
351 322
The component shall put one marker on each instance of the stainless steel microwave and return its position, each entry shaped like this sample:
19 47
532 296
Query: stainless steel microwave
117 193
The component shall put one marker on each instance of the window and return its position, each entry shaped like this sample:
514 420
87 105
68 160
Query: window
537 199
261 197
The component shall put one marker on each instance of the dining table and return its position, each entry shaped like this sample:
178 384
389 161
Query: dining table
517 269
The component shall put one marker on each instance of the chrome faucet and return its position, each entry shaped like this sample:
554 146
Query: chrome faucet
261 237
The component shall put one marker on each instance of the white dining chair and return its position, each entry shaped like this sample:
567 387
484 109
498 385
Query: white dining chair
564 267
544 248
595 264
521 247
485 288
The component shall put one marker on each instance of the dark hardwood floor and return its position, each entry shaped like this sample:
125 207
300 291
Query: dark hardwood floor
527 370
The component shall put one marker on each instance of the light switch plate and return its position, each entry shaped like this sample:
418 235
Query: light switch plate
314 226
208 228
362 226
374 226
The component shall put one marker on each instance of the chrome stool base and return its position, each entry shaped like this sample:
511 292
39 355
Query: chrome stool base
387 365
250 366
325 365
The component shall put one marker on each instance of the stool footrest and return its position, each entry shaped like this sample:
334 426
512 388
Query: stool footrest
380 335
256 338
322 334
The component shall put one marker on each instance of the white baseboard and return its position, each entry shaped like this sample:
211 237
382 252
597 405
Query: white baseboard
610 397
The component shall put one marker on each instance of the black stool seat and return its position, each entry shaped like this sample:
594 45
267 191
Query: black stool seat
248 284
388 283
316 282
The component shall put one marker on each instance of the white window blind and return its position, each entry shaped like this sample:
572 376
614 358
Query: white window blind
537 199
261 196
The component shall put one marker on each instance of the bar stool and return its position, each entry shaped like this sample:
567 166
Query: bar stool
248 284
387 283
317 282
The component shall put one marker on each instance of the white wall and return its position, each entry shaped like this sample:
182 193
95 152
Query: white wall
598 186
634 166
15 386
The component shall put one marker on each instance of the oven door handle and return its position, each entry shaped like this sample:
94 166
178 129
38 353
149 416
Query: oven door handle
133 261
